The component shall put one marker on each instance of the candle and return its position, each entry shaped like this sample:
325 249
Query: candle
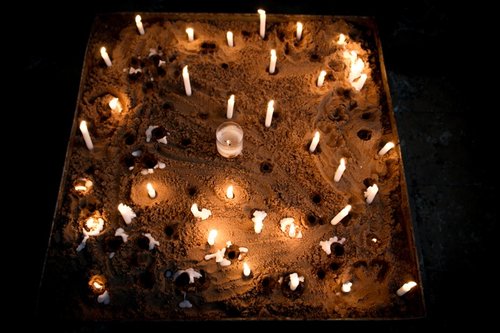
230 41
230 192
356 68
269 113
229 139
202 214
388 146
406 288
294 281
105 56
299 31
272 63
211 237
262 15
97 284
103 298
121 233
187 83
321 78
314 142
340 170
346 286
190 33
86 135
138 22
127 213
151 190
230 107
152 242
370 193
83 185
341 40
358 85
258 218
115 105
246 270
343 213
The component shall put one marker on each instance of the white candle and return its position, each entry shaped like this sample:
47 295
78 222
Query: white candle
299 31
262 15
258 218
314 142
370 193
406 288
229 139
104 298
151 190
230 40
190 33
294 281
346 286
388 146
230 192
321 78
127 213
356 68
138 22
105 56
340 170
269 113
341 40
202 214
187 83
230 107
86 135
115 105
211 237
343 213
246 269
358 85
272 63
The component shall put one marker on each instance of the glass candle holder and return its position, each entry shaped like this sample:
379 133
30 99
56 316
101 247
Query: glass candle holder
229 137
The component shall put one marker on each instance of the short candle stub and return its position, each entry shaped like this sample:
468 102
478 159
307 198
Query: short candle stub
229 139
97 284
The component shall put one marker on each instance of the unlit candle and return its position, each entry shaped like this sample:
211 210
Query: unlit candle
246 269
187 83
343 213
269 113
230 107
388 146
321 78
262 15
230 40
340 170
105 56
190 33
272 63
314 142
406 288
86 135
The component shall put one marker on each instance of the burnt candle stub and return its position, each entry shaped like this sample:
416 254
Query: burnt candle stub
170 210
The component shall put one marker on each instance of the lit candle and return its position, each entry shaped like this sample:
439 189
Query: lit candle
187 83
86 135
83 185
211 237
230 192
269 113
343 213
321 78
341 40
406 288
138 22
272 63
229 139
388 146
246 270
314 142
359 83
262 15
230 41
151 190
127 213
190 33
370 193
346 286
340 170
105 56
299 31
230 107
115 105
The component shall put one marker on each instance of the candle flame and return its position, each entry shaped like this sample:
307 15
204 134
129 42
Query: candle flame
261 11
97 285
211 237
230 192
346 286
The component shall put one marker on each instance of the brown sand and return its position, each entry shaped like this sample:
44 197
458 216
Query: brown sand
275 173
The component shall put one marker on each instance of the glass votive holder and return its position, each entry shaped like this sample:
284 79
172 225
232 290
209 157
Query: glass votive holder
229 137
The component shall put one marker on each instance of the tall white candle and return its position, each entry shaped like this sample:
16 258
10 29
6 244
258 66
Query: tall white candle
388 146
230 192
230 107
340 170
321 78
370 193
105 56
230 40
272 63
138 22
211 237
314 142
406 288
299 31
115 105
151 190
187 83
343 213
269 113
86 135
246 269
262 15
190 33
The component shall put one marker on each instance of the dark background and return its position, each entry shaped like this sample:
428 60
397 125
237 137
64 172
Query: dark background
435 55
